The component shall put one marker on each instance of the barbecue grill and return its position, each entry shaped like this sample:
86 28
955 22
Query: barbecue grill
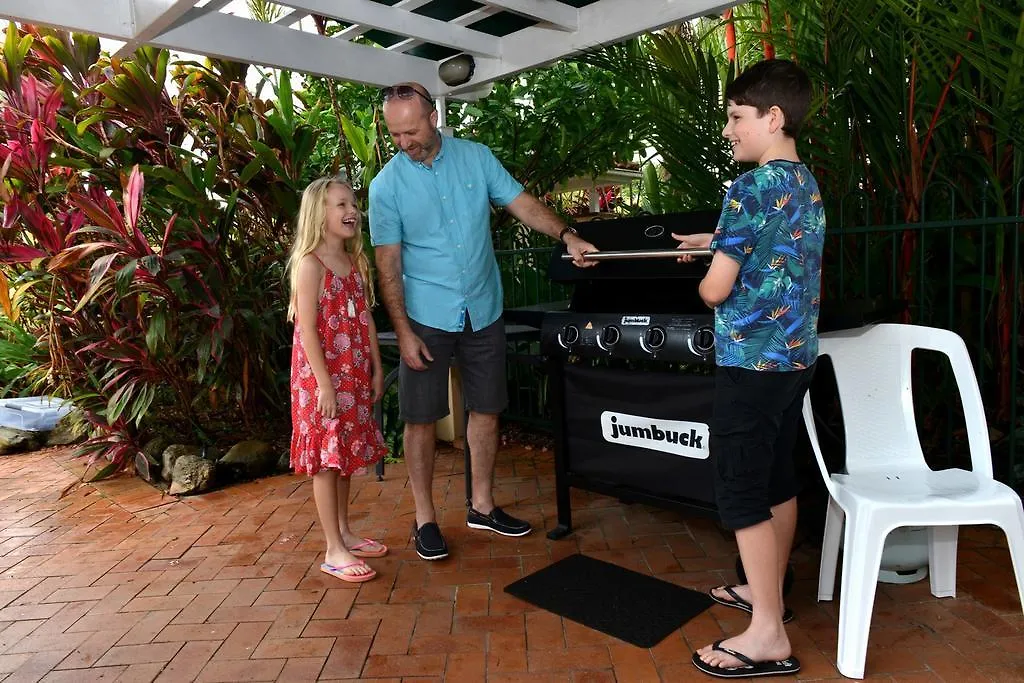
631 363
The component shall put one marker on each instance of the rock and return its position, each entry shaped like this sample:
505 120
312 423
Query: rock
145 468
284 463
70 429
211 453
18 440
172 453
191 474
257 457
155 447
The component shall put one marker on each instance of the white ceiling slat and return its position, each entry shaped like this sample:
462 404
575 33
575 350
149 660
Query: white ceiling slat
563 31
291 18
601 23
216 5
245 40
151 18
109 19
357 30
404 23
466 19
560 16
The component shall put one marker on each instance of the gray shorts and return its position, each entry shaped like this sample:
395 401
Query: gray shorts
480 357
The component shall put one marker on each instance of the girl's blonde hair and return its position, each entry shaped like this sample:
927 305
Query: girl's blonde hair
309 232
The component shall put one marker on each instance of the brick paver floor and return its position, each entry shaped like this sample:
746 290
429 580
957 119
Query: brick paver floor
114 582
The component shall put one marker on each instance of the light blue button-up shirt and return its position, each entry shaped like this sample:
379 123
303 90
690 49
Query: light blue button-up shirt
441 215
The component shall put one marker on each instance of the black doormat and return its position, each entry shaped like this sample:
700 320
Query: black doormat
630 606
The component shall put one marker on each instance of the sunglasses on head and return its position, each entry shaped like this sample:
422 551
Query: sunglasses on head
403 92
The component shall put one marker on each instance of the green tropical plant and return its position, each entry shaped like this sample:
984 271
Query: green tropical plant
916 116
172 297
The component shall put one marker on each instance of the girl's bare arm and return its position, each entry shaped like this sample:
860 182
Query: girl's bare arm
311 277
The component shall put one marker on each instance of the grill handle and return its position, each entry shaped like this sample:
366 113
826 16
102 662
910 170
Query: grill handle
629 255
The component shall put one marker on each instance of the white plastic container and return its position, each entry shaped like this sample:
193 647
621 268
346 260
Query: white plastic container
33 413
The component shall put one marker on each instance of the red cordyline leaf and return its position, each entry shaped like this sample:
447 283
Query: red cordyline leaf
46 234
36 223
167 233
19 253
100 209
71 223
116 350
10 213
40 101
114 380
40 147
73 255
730 35
133 207
29 94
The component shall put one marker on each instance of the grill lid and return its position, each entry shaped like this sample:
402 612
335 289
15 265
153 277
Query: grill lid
642 285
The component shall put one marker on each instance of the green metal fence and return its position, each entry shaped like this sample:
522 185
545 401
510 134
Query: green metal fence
953 267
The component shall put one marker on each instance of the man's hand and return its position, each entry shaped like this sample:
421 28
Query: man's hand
413 351
701 240
577 246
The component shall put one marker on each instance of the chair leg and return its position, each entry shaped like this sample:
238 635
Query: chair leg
830 550
862 556
942 560
1014 530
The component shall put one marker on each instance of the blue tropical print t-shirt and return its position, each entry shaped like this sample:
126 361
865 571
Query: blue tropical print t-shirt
773 225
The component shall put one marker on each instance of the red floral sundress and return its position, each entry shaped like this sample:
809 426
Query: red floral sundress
351 441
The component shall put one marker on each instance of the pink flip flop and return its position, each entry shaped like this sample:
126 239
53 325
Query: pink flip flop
339 572
358 551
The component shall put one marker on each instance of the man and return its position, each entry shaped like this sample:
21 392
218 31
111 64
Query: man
430 223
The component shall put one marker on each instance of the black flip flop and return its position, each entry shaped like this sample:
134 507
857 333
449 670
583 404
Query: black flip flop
749 669
741 604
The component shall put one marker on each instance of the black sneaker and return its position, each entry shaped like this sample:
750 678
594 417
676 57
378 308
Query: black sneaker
497 521
430 543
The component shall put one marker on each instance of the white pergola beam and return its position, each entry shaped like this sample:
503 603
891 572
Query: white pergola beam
602 23
109 18
292 17
151 18
467 18
357 30
245 40
560 16
404 23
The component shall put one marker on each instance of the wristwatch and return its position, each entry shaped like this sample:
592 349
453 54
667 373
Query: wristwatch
567 229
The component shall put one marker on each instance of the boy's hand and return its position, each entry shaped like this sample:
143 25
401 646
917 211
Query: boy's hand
327 402
378 383
701 240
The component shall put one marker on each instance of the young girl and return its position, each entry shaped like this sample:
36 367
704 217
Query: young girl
336 371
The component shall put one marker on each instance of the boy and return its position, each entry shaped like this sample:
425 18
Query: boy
764 284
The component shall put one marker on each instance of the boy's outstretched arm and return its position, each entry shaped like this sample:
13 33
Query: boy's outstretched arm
717 284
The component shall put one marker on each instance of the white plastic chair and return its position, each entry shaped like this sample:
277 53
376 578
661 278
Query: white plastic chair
887 483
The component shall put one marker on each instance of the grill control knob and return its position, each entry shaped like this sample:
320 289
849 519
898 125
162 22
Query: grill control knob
609 337
702 342
654 338
569 336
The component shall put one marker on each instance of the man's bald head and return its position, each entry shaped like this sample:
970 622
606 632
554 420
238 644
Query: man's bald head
412 120
422 97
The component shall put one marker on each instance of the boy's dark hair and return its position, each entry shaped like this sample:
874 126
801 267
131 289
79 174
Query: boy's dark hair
774 83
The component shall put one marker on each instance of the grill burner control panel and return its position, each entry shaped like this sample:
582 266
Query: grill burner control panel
666 337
